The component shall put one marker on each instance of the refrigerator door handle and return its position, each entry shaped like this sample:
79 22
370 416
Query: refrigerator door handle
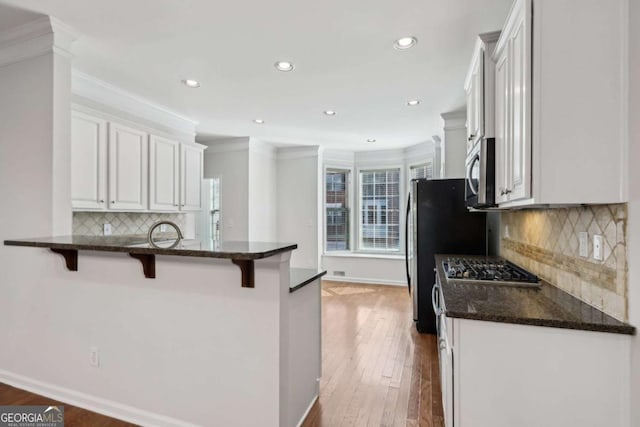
406 243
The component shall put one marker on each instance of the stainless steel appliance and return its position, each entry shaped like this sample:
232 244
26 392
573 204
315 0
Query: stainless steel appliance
437 222
493 270
481 174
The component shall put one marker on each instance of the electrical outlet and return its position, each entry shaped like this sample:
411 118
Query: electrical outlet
583 238
94 357
163 228
106 229
598 247
506 231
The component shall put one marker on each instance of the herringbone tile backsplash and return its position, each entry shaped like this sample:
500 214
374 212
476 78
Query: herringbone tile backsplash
545 241
91 223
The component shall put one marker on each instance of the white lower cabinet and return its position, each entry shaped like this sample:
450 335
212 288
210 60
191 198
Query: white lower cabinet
505 375
128 162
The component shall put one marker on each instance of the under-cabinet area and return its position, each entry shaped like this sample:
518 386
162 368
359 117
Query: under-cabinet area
121 167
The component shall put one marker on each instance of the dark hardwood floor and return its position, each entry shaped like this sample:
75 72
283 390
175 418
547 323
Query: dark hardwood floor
376 369
73 416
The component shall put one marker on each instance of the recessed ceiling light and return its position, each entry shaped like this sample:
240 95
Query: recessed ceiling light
329 112
258 121
283 66
405 43
191 83
371 140
413 102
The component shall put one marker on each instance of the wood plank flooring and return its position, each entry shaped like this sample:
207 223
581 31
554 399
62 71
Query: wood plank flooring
73 416
377 370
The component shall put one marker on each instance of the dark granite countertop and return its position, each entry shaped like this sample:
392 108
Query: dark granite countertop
137 244
544 306
300 277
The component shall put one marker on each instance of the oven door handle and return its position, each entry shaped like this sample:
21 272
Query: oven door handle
475 160
436 307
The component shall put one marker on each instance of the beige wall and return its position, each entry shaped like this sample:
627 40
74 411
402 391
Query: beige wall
545 241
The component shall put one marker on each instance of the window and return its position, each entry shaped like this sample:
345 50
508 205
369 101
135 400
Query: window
337 214
380 209
424 170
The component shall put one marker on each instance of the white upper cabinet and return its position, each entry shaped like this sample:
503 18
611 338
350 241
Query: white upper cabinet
128 174
88 162
478 86
561 88
164 174
513 106
191 158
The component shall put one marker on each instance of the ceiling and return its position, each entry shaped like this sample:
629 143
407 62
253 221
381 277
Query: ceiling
342 50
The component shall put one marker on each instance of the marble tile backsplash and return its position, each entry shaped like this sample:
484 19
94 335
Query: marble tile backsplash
91 223
545 241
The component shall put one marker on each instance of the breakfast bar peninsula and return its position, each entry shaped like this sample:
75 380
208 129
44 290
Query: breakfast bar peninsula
205 333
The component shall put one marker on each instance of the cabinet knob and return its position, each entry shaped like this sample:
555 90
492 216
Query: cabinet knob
471 137
113 201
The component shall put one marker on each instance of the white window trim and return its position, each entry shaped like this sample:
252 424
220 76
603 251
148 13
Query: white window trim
350 201
358 228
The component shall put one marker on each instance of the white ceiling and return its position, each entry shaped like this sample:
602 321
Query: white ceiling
342 50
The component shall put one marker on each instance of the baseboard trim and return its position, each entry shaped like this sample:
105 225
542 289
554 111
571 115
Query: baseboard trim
364 280
91 403
306 413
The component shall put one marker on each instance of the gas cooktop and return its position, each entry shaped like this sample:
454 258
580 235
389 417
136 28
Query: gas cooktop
494 271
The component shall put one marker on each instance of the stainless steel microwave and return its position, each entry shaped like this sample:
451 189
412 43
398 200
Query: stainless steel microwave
481 174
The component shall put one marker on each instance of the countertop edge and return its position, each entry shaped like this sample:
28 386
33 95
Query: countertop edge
155 251
307 281
560 324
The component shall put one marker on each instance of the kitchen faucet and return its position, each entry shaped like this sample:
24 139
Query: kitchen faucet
156 225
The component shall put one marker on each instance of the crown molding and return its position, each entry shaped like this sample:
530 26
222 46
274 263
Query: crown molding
104 93
454 120
312 151
36 38
228 145
262 147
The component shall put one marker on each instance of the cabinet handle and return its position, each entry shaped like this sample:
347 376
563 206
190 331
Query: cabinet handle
113 201
101 201
507 191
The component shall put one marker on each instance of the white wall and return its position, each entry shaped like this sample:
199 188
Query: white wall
366 269
633 229
454 144
229 159
298 190
262 192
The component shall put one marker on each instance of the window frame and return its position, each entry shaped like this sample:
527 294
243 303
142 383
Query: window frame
350 204
402 187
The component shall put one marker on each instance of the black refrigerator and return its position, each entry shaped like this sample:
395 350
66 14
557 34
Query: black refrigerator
437 222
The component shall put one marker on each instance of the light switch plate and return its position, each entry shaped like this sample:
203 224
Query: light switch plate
598 247
583 239
106 229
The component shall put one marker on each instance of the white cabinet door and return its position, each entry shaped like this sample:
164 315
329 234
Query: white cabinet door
520 61
191 178
513 106
475 101
88 162
128 173
502 126
164 174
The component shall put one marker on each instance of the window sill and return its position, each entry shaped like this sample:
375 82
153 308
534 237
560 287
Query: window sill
371 255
